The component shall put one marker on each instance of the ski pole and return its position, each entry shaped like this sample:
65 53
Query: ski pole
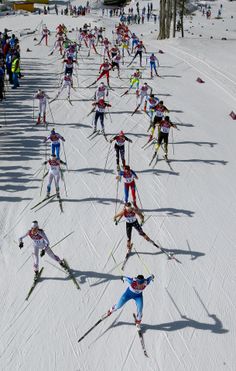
62 239
142 261
95 325
51 113
172 134
117 188
109 115
33 110
128 153
138 196
65 155
44 170
108 152
63 179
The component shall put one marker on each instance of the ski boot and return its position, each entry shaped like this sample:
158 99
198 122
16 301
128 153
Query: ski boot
138 323
110 311
48 195
118 167
44 119
36 273
150 138
63 265
58 193
38 120
166 157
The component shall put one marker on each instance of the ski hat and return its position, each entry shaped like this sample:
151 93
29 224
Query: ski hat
53 131
34 224
140 278
152 54
127 167
167 118
121 133
128 204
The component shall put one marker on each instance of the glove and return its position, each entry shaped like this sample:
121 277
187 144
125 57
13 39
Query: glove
21 244
42 253
152 277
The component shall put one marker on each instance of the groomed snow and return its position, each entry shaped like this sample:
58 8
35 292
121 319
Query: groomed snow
189 311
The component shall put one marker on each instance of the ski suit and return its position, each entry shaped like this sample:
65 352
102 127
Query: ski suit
54 173
55 140
42 97
120 148
129 176
135 292
40 242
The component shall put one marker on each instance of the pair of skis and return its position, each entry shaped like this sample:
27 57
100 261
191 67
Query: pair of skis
96 133
139 330
67 270
126 257
170 255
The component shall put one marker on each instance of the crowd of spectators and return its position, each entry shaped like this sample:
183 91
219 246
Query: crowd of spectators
9 61
133 15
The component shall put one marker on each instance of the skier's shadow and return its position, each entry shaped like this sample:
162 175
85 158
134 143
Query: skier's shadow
185 322
194 254
170 211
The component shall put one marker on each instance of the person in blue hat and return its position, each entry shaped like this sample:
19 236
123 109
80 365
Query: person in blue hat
135 292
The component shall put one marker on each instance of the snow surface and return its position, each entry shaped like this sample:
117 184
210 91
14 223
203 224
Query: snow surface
189 311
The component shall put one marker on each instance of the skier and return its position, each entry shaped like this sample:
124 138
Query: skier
159 111
139 51
143 95
101 92
91 43
54 173
40 242
165 126
69 64
129 182
103 70
120 148
130 213
116 63
55 142
45 33
134 79
42 97
100 107
154 63
135 291
152 101
67 82
106 44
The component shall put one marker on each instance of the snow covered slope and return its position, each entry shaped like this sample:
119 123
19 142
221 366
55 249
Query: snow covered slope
189 311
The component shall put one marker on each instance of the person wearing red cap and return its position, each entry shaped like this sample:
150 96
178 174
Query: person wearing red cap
100 107
129 182
120 148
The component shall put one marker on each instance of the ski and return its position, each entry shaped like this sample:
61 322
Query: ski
140 334
71 275
170 255
124 93
36 280
60 204
105 136
136 109
95 325
147 144
94 135
126 258
69 101
155 155
45 199
168 162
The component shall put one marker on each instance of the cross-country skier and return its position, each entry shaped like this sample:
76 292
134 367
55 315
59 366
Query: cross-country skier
139 51
67 83
129 182
134 80
45 33
91 42
101 92
69 64
116 63
106 44
159 111
55 142
100 107
53 174
165 126
120 148
40 242
154 63
104 71
149 106
135 291
42 98
143 95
